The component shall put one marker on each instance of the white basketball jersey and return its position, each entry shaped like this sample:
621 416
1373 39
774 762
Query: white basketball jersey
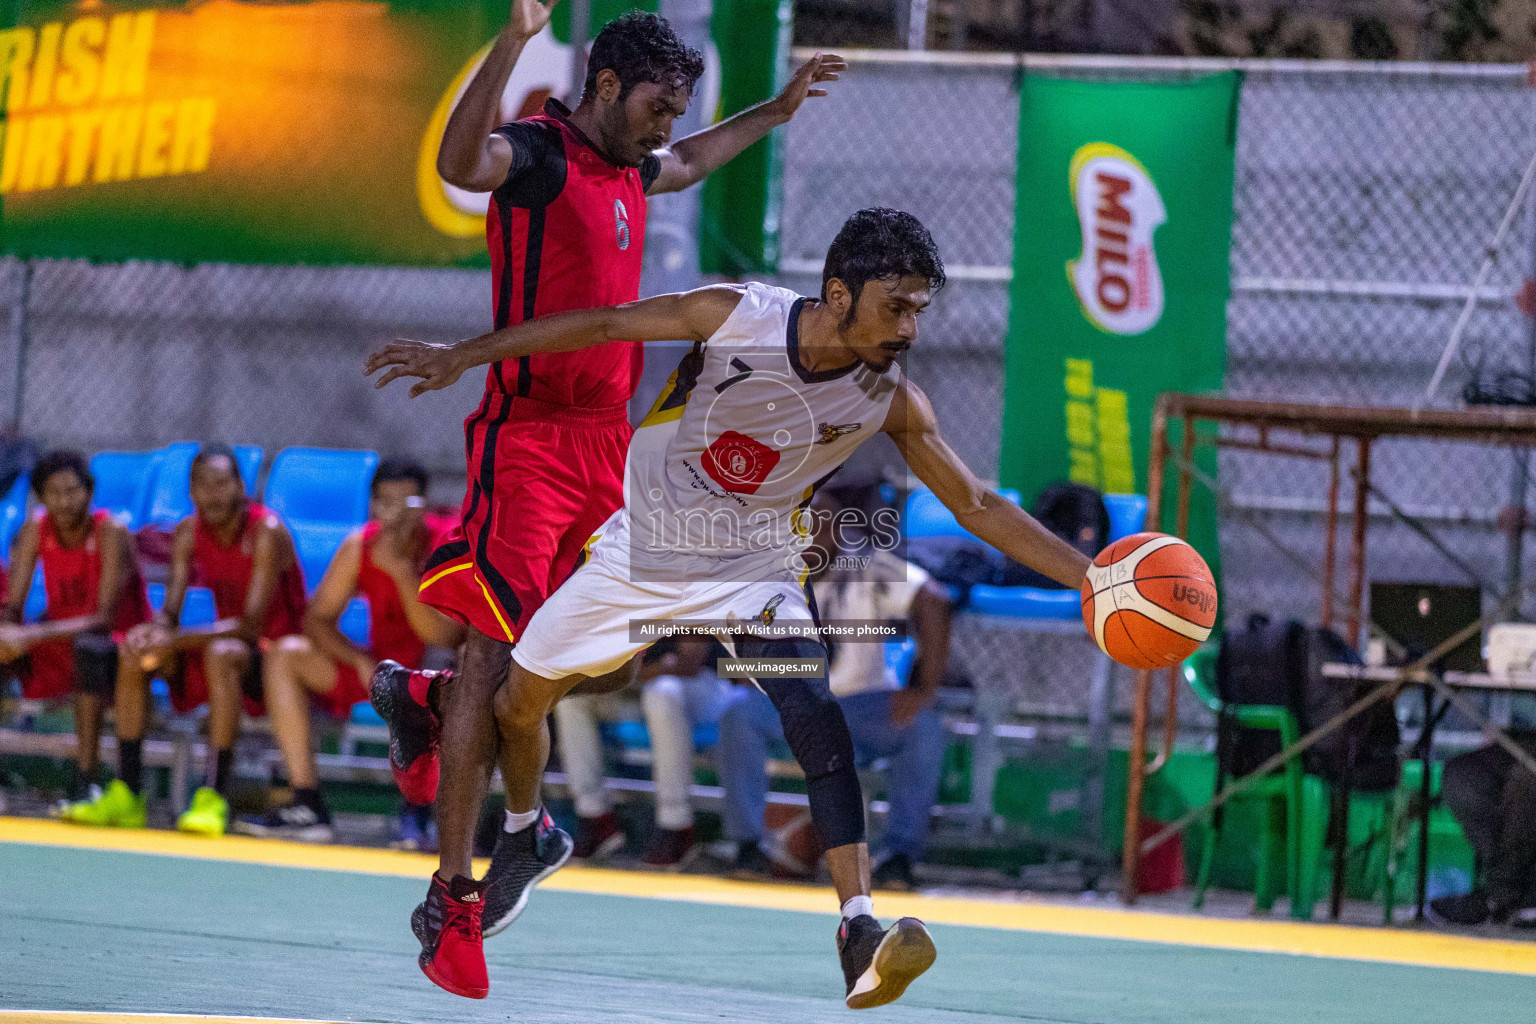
738 442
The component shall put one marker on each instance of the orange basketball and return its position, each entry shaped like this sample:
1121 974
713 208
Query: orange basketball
1149 600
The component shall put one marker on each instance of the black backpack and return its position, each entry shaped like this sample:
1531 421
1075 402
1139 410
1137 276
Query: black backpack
1075 513
1281 664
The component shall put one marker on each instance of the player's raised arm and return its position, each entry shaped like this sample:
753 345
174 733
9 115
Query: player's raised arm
472 156
684 316
984 512
694 158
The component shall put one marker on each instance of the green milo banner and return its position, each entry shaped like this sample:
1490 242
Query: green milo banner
1120 277
288 131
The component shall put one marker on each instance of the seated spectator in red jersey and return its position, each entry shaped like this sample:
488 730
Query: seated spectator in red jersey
383 562
95 595
243 553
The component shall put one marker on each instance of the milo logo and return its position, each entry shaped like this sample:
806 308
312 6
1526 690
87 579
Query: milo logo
1117 280
1199 597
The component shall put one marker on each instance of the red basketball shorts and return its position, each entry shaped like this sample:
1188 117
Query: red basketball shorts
542 479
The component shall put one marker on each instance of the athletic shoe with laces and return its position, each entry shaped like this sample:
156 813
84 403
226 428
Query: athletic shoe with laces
521 861
298 822
208 815
597 837
894 873
116 807
400 697
670 849
447 924
879 965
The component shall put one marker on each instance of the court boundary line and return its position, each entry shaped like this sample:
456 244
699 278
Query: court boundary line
138 1017
1328 941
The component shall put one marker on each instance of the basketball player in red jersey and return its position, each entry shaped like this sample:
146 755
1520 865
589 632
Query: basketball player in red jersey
95 595
546 447
383 562
242 552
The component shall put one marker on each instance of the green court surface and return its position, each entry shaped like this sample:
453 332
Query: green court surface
105 930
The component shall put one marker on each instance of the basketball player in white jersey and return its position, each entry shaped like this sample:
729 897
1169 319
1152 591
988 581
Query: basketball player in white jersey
778 392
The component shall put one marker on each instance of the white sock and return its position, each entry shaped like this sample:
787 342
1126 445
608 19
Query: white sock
518 822
858 905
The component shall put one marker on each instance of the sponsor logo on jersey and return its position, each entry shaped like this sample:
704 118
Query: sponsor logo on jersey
826 433
621 223
739 463
1117 279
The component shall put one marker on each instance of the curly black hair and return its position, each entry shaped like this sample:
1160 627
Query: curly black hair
878 244
59 461
641 47
399 469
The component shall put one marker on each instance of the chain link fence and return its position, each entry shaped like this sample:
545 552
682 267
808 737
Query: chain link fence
1366 196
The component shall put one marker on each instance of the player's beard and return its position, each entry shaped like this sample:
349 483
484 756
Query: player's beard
616 141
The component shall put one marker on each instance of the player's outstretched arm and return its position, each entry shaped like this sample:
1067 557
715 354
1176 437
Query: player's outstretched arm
685 316
694 158
984 512
471 155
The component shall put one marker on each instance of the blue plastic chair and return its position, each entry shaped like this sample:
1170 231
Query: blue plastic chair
1127 514
363 714
928 517
37 598
357 622
900 656
169 494
322 494
123 481
316 544
198 609
322 484
13 512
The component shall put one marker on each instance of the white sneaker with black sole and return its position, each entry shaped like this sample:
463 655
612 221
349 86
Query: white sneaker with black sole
878 965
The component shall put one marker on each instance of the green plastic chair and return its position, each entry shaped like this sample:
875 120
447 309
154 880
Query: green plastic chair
1402 829
1296 817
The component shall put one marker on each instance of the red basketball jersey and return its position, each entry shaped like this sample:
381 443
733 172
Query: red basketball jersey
566 231
227 572
72 577
391 635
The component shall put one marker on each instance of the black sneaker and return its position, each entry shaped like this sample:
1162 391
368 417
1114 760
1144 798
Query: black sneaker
752 864
522 860
1467 909
879 965
298 822
895 872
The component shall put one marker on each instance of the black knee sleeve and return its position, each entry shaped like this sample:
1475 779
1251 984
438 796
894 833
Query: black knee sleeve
818 735
95 663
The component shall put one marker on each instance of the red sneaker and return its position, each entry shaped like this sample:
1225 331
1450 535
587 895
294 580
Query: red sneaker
447 924
400 697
